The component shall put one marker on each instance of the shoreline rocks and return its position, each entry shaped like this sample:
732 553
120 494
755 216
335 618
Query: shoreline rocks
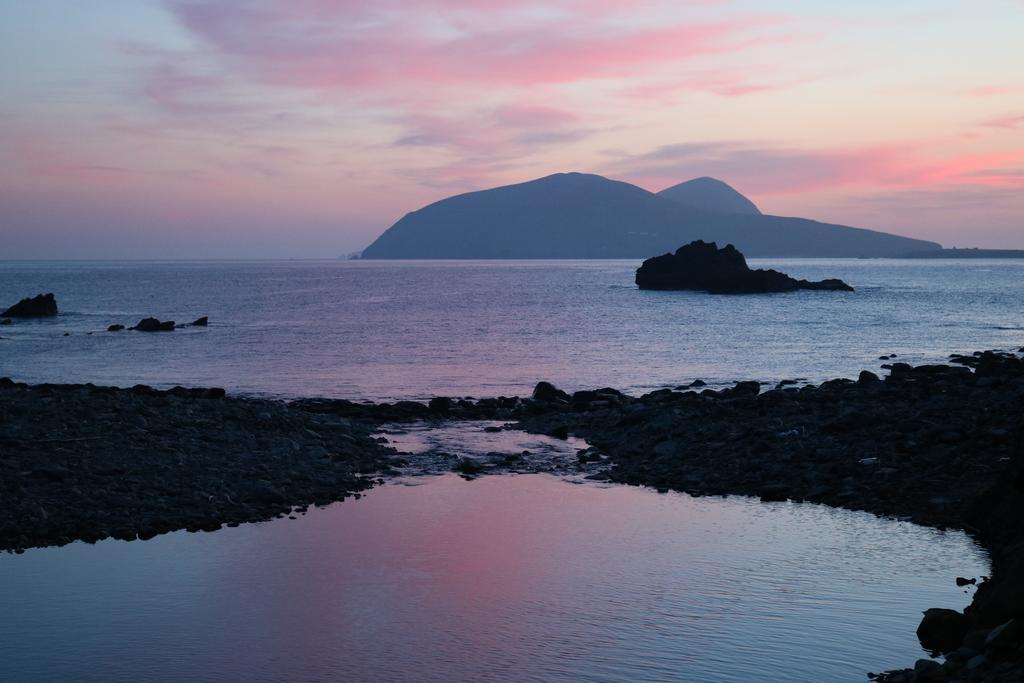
82 462
702 266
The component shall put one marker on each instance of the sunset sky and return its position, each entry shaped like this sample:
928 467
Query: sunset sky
304 128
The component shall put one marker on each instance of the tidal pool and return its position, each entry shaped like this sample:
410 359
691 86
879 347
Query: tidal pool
505 578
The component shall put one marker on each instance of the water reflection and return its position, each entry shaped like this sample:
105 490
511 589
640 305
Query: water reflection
506 578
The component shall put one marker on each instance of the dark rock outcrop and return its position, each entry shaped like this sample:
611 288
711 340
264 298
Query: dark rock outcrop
942 629
154 325
547 392
115 328
201 322
39 306
703 266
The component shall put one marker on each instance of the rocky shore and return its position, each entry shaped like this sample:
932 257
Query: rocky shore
86 463
936 444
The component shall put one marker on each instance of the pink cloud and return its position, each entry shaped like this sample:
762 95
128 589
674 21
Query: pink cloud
357 44
1011 121
767 170
995 90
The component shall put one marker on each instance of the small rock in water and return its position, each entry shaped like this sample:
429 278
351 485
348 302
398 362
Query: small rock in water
942 629
961 581
39 306
115 328
703 266
6 321
201 322
154 325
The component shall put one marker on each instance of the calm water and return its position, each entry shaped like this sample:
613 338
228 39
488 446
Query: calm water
373 330
506 578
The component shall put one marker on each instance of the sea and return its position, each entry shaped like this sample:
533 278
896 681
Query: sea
505 578
372 330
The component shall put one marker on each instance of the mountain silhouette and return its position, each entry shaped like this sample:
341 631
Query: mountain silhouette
579 215
710 194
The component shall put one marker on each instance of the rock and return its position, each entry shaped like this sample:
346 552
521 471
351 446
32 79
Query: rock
115 328
773 492
702 266
976 662
154 325
961 581
745 389
201 322
942 630
468 466
929 671
6 321
1006 636
440 404
560 432
867 377
698 383
547 392
39 306
51 473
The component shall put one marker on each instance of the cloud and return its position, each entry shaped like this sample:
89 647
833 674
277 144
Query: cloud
767 169
373 45
1010 121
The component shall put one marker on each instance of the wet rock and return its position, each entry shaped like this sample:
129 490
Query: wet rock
201 322
559 432
39 306
929 671
961 581
773 492
440 404
868 378
468 466
115 328
942 630
6 321
546 392
745 389
1007 636
154 325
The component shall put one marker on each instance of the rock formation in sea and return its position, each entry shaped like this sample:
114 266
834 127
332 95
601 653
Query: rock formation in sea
580 215
39 306
154 325
704 267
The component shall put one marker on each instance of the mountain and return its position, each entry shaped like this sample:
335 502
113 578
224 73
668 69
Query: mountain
578 215
710 194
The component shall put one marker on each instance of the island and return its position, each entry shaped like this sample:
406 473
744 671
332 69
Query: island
587 216
702 266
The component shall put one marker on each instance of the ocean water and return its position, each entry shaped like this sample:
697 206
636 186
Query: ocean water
515 579
386 330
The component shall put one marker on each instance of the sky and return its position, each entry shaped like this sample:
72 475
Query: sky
304 128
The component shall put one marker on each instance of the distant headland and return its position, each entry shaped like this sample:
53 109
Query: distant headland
585 216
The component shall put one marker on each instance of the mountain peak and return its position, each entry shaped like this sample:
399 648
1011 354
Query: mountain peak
710 194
